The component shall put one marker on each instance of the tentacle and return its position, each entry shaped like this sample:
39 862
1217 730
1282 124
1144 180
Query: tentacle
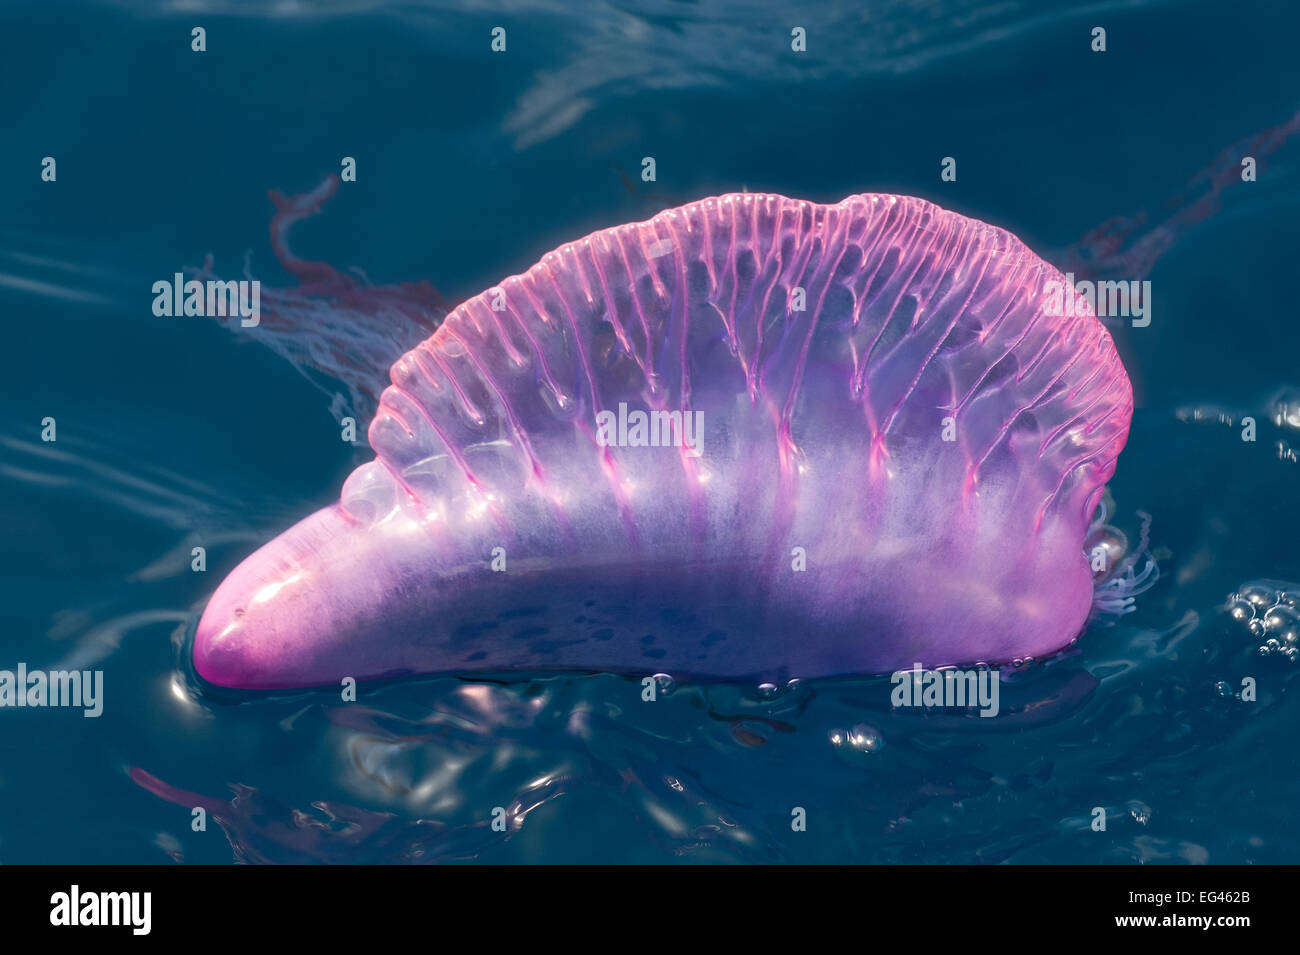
1116 592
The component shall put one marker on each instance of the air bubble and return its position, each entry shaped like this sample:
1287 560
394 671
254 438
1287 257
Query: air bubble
1258 594
1140 812
665 683
1114 545
1283 623
861 739
369 493
1239 609
1268 609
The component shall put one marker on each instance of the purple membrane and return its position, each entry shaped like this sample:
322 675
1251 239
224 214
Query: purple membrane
892 442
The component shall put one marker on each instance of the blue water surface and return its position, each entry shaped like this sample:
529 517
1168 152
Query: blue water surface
174 433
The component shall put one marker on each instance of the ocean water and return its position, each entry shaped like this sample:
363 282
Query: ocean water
173 433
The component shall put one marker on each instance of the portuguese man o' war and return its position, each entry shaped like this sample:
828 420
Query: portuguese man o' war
901 446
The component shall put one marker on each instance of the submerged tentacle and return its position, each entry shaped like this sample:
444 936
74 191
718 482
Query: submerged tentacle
335 328
1115 591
